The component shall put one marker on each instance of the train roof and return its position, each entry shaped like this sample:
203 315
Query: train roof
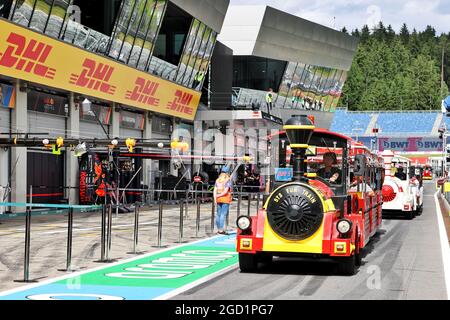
319 132
398 158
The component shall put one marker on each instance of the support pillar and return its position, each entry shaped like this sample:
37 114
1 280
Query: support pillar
198 145
173 171
73 131
19 123
147 163
115 127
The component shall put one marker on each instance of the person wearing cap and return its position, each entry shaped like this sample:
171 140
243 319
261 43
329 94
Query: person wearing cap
329 172
269 100
222 198
198 79
401 173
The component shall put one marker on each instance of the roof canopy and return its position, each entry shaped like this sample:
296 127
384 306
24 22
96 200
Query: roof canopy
271 33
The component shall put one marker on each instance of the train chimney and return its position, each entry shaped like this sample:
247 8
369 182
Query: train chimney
299 130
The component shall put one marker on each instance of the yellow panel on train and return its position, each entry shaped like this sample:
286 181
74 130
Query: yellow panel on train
275 243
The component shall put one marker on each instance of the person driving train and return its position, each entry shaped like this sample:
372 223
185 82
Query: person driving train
329 172
401 173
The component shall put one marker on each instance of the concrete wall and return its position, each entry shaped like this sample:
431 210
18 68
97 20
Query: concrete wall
271 33
221 77
210 12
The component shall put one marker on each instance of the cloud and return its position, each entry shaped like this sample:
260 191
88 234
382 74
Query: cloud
355 13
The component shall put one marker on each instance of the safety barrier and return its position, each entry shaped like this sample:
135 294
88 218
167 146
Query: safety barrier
107 219
28 215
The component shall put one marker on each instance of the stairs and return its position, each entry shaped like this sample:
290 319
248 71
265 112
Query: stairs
372 124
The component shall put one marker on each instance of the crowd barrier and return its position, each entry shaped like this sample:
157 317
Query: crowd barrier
106 221
28 215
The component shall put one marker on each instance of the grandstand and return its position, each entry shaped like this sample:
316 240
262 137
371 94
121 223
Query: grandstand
391 124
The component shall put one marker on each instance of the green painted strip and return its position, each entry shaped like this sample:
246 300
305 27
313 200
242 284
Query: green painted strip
154 272
157 275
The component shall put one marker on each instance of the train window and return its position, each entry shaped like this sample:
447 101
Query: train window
326 163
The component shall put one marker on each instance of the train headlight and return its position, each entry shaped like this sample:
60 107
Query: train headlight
344 226
244 223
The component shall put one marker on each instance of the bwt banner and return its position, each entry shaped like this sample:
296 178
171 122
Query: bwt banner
410 144
34 57
405 144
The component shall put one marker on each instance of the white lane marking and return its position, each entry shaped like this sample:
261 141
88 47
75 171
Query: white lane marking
194 284
53 296
80 273
444 245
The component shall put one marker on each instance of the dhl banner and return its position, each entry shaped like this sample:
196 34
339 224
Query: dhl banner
30 56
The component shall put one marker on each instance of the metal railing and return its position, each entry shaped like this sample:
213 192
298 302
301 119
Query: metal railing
107 221
28 216
388 111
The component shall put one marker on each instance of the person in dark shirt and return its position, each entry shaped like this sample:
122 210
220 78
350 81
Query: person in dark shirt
328 172
401 173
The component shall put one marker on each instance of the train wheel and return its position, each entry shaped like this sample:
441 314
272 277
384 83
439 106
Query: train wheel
347 266
266 258
358 253
248 262
419 211
410 215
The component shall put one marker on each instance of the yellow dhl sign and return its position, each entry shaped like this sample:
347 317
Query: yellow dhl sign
31 56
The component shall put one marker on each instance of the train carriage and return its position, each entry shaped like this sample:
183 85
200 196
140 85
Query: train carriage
403 187
427 173
330 209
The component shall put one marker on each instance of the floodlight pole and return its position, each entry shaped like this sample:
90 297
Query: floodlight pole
88 104
443 135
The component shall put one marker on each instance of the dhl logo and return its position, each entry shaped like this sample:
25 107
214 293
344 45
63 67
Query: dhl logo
94 76
144 92
181 103
28 56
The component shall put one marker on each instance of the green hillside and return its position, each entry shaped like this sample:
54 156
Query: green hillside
397 71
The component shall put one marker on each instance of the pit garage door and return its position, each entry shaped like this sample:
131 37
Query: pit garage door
92 130
4 119
39 122
130 133
45 172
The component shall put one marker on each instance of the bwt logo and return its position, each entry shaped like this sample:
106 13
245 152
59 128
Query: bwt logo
27 56
144 92
94 76
181 103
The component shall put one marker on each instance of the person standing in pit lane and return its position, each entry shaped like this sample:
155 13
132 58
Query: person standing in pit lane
223 198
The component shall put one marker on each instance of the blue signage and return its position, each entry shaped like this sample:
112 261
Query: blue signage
284 174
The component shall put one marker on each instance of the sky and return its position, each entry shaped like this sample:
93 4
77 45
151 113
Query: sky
356 13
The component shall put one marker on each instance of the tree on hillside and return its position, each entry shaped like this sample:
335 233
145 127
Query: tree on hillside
397 71
404 34
356 33
390 34
365 33
379 32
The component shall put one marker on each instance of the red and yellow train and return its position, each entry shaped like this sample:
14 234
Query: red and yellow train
330 209
427 172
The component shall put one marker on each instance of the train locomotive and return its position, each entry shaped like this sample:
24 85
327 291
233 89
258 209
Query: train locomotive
403 186
316 215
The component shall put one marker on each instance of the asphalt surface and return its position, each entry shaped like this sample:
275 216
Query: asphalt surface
402 262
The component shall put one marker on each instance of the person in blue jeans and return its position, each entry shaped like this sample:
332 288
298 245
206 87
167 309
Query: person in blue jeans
222 198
